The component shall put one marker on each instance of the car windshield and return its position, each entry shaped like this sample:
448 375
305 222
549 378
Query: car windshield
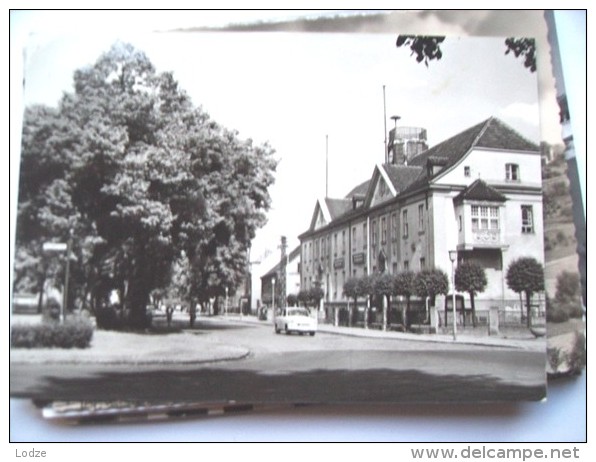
298 312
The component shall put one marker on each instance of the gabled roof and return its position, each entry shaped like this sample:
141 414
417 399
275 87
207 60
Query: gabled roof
480 191
337 207
402 176
492 133
292 255
359 190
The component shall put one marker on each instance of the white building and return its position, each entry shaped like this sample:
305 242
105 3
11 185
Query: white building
270 281
478 192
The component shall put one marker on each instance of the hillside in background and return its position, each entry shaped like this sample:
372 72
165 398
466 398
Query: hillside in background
560 244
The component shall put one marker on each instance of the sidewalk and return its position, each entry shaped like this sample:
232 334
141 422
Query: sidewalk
121 348
516 339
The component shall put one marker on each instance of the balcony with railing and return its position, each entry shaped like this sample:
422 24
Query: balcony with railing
486 236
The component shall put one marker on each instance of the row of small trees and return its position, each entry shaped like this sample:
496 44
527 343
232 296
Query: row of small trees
426 283
524 275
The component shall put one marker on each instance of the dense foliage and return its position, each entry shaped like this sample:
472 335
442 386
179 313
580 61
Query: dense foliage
526 275
428 47
75 332
470 277
153 192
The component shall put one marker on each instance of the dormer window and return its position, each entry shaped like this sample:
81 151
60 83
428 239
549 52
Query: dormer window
467 171
512 172
434 165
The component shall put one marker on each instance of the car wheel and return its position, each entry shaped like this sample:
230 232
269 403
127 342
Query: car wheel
287 331
312 334
277 331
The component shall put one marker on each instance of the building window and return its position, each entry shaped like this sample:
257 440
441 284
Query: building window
394 268
421 217
343 242
364 236
460 223
466 171
484 217
335 245
405 223
383 230
334 286
527 219
406 265
512 172
353 239
394 227
422 263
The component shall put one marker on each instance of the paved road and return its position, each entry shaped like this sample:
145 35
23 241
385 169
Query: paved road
294 368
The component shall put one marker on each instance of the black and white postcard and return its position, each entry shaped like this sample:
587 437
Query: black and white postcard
268 216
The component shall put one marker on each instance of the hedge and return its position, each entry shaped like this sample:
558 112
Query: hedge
73 333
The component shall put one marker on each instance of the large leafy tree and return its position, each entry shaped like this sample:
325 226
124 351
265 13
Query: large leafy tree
526 275
141 179
470 277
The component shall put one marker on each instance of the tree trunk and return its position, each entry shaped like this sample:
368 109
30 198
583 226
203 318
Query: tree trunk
41 284
137 298
404 314
386 304
528 309
473 309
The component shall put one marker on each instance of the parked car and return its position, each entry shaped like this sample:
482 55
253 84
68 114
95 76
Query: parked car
294 319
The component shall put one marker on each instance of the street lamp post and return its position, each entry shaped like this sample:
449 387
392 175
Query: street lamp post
453 257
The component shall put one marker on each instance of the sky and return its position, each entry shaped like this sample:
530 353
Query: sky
297 90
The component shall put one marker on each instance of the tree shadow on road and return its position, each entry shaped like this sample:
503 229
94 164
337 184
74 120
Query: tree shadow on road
315 386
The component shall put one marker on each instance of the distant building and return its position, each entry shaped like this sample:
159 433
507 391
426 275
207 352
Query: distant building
478 192
270 280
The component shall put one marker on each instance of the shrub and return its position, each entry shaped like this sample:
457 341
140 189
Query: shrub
577 357
573 309
292 300
555 358
51 310
556 315
107 318
75 332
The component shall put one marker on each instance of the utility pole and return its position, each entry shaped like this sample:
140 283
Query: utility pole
283 263
385 126
326 166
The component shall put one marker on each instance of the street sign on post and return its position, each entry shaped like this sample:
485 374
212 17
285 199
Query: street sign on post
54 247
